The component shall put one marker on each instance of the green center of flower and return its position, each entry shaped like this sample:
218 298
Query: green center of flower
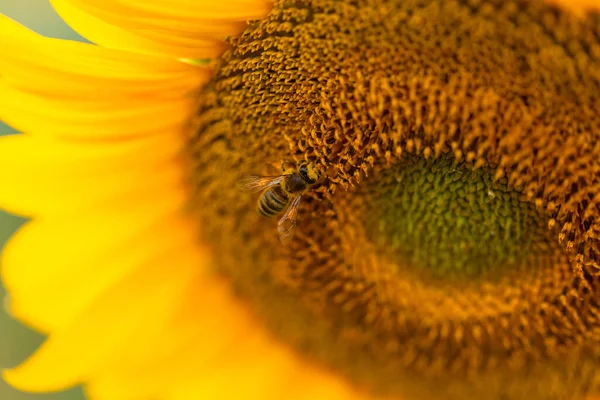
450 221
450 248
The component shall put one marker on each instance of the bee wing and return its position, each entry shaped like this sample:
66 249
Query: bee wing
259 183
287 223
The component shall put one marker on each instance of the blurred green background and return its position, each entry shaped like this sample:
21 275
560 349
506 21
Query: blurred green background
16 341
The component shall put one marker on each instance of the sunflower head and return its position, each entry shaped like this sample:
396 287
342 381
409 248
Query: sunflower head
446 199
448 232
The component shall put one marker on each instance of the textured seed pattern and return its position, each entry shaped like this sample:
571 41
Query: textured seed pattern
451 249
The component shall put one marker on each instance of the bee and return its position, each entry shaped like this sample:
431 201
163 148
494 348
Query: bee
281 193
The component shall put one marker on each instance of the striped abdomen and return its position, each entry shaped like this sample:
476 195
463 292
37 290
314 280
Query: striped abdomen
272 202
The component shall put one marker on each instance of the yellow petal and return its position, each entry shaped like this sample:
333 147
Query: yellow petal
143 301
79 90
183 24
207 328
45 176
74 118
266 376
49 294
66 246
82 58
62 68
199 357
183 21
111 36
187 11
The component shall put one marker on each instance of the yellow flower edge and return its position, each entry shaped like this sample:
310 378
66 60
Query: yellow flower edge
109 267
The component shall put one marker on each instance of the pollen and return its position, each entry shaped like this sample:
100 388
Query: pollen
453 235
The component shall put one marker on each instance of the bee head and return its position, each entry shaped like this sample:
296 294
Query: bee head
309 173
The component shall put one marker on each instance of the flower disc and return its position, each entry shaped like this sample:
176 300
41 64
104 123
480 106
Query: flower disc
453 236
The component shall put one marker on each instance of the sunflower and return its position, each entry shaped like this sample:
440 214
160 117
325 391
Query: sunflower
449 248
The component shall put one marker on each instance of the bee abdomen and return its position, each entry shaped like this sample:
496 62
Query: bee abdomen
271 203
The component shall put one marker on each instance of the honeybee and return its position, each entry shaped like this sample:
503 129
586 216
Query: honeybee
281 193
